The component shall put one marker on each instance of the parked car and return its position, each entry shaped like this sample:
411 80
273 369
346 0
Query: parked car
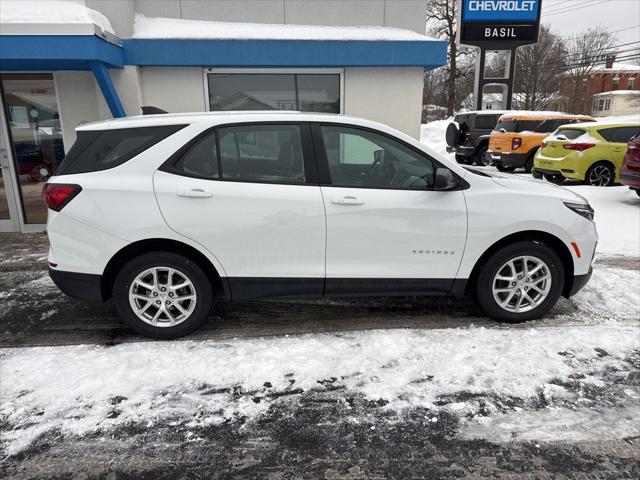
630 172
165 213
518 136
468 136
589 152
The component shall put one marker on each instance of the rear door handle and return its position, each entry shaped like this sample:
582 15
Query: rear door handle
194 193
347 200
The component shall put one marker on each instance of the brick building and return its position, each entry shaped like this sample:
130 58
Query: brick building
604 78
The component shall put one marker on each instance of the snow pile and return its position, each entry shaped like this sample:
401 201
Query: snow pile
617 218
153 28
432 134
51 12
84 389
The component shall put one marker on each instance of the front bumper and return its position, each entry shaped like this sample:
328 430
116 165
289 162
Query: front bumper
579 281
79 285
516 160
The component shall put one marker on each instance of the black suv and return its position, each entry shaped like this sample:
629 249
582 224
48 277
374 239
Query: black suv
468 135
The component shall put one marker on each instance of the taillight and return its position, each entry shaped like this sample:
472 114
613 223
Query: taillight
580 147
57 195
516 143
468 137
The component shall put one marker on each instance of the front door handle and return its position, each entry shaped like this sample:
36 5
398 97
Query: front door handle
347 200
194 193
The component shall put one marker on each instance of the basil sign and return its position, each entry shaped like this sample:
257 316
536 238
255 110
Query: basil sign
494 23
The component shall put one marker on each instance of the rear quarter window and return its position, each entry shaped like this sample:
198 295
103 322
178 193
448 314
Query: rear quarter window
618 134
96 150
486 122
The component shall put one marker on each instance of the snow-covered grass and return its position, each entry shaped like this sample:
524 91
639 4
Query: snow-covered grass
76 389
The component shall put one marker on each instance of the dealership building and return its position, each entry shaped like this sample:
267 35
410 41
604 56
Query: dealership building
64 63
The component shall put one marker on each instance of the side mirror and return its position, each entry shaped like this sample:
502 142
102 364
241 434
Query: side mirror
445 180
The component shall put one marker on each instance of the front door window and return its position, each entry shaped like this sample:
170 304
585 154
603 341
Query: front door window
36 137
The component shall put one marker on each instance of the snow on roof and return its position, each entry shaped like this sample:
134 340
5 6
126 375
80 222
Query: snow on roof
619 67
618 92
21 12
175 28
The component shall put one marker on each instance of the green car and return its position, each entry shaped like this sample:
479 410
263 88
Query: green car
590 152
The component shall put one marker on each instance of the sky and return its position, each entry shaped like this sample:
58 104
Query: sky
569 17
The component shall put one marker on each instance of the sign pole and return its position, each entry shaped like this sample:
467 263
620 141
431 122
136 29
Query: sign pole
497 26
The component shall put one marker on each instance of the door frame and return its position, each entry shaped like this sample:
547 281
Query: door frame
15 220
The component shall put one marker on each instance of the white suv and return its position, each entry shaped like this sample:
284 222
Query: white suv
164 213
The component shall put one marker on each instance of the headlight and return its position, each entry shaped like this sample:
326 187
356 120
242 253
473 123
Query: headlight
583 209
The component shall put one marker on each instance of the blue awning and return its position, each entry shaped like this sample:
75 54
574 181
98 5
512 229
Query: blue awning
284 53
57 52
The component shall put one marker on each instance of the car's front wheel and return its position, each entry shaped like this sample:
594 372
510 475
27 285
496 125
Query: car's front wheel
162 295
520 282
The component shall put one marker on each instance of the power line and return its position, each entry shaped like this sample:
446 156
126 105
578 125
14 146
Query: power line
576 7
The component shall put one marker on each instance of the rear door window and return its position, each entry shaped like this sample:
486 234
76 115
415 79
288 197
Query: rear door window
96 150
262 153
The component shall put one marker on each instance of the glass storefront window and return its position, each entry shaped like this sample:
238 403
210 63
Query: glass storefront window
36 135
277 91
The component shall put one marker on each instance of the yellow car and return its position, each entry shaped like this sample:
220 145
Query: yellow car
590 152
518 135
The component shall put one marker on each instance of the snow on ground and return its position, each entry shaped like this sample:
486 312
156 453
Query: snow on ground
617 217
617 208
148 27
89 389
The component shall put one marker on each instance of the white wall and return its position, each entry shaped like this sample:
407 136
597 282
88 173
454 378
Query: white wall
77 102
388 95
625 105
174 89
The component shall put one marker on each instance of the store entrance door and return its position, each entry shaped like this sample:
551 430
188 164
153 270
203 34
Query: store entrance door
9 221
32 131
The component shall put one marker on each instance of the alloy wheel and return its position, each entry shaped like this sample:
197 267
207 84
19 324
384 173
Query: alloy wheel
162 296
521 284
600 176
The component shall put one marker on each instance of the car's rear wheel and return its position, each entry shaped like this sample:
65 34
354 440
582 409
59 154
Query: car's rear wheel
600 175
528 164
162 295
557 179
520 282
482 157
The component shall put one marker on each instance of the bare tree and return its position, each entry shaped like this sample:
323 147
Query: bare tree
441 22
538 71
584 52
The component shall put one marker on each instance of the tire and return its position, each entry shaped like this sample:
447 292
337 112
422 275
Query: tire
504 168
528 164
481 158
464 160
557 179
539 304
452 134
185 270
601 174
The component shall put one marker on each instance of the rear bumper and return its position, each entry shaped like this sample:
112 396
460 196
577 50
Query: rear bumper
630 179
78 285
579 281
516 160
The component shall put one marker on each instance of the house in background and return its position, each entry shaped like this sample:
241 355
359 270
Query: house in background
616 102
